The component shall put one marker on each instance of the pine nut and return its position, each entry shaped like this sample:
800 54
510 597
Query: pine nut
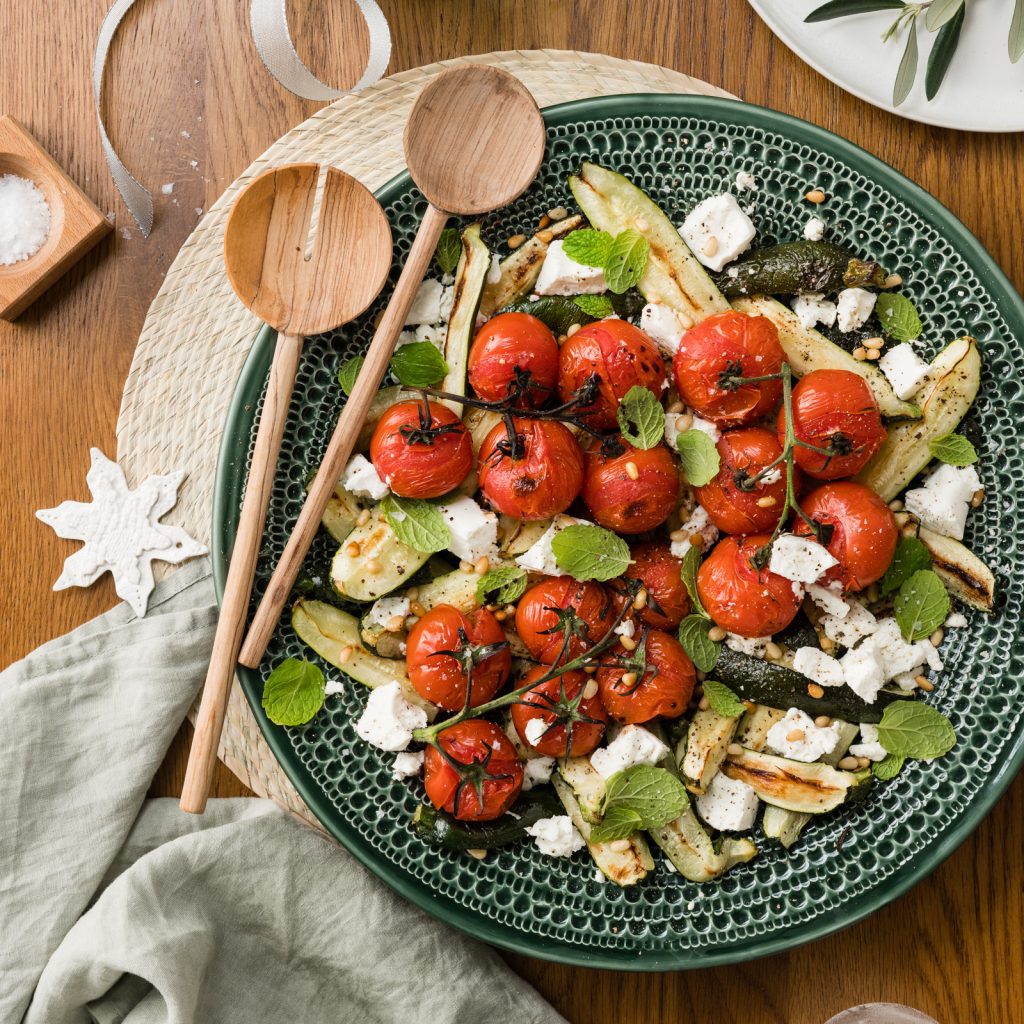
910 530
795 736
896 505
373 566
344 654
678 535
696 539
735 749
363 518
772 651
510 609
558 213
936 637
873 593
412 593
920 680
573 328
640 601
860 353
826 643
632 471
704 704
902 518
767 501
628 678
590 690
410 621
545 236
515 241
544 221
848 764
465 566
352 549
501 616
395 623
816 195
815 691
590 669
863 762
619 845
823 721
893 281
684 421
716 634
482 566
628 642
416 608
873 342
978 497
926 685
675 407
710 246
872 353
478 854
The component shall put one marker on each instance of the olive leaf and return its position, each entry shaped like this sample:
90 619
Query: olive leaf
940 12
908 68
842 8
1015 44
942 51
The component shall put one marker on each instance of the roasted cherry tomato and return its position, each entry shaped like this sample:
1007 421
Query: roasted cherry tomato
859 530
537 474
620 355
742 455
441 678
738 596
488 761
667 602
724 345
631 492
537 622
561 720
656 678
421 449
834 409
508 343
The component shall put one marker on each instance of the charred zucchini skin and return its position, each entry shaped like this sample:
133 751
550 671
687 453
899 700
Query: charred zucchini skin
794 267
559 312
442 830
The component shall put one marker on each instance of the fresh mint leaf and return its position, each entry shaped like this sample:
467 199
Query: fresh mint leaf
920 607
693 636
617 823
889 767
642 796
722 700
417 523
588 246
348 371
599 306
955 449
911 555
507 584
641 418
293 692
699 456
626 260
691 563
590 552
911 729
449 249
418 365
898 316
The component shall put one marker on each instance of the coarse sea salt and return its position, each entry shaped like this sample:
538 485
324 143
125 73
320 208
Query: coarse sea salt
24 219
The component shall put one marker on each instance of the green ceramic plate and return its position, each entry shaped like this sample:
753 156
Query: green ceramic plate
680 148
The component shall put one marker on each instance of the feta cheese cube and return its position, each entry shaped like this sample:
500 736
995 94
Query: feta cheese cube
360 478
700 524
819 666
955 620
729 805
943 502
745 182
717 231
426 307
473 531
752 646
813 741
386 608
537 771
847 629
627 627
904 369
560 275
407 765
494 271
389 719
676 424
853 307
800 559
633 745
814 229
829 599
535 730
869 746
812 308
539 557
556 836
662 326
863 672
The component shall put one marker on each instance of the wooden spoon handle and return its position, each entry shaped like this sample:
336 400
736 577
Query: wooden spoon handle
353 415
202 756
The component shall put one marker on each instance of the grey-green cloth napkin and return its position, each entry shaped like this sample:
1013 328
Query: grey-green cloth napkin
114 908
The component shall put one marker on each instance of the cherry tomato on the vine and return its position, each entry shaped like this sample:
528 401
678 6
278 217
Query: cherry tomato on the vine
535 475
511 342
632 492
421 449
741 598
860 531
729 344
441 678
834 409
537 621
620 355
659 683
487 761
551 704
660 572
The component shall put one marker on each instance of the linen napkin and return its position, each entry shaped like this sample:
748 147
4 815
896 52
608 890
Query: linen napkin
114 908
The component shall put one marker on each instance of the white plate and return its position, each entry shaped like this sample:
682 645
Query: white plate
982 92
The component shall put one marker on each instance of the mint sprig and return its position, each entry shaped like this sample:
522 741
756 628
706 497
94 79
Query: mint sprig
449 250
691 563
911 729
640 797
898 316
598 306
699 457
623 258
920 607
954 449
641 418
911 555
889 767
417 523
722 700
505 584
590 552
694 639
418 365
348 371
294 692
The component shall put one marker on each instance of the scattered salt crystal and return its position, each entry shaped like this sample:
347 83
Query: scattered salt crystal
193 164
199 211
168 188
24 219
186 135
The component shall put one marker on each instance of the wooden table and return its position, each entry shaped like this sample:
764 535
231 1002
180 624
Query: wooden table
187 85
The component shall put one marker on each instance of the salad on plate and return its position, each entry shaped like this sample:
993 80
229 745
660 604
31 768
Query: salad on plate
655 541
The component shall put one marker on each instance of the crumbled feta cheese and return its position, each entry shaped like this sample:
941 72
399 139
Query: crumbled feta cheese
447 301
662 326
333 687
360 478
407 765
700 524
943 502
494 271
634 745
426 307
560 275
436 334
903 368
829 599
537 771
800 559
673 421
853 307
847 629
707 427
540 557
556 836
752 646
745 182
869 746
862 671
819 666
535 730
729 805
814 229
897 657
815 741
627 627
387 608
473 531
773 476
955 620
717 231
389 719
812 308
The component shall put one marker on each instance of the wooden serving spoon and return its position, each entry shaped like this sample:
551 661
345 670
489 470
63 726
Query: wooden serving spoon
474 142
264 251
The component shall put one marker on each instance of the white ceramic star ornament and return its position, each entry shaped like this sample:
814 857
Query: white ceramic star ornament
122 531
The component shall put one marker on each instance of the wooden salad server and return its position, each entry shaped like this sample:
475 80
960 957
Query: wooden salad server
265 245
474 142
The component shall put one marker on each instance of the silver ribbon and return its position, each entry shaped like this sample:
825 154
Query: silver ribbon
268 20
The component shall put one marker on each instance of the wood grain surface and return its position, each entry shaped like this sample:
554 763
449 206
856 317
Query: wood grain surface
187 86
